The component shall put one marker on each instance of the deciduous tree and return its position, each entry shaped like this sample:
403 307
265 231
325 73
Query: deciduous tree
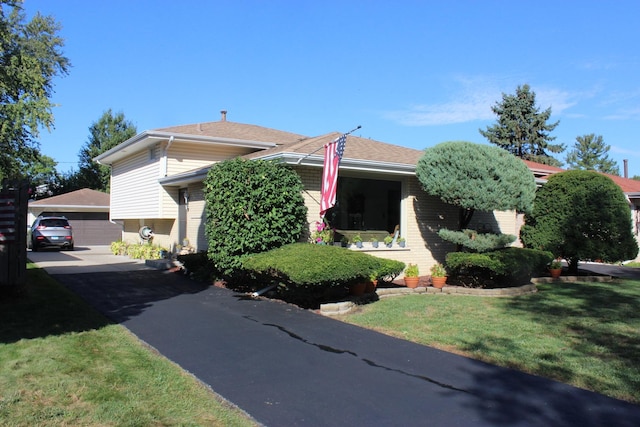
30 58
522 129
109 131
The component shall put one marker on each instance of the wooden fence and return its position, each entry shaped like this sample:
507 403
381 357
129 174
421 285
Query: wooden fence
13 235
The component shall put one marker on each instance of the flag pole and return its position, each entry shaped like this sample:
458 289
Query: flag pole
315 151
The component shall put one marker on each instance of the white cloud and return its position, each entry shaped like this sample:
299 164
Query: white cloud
557 99
622 150
473 101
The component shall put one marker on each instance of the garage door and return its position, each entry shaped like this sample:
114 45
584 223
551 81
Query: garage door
93 228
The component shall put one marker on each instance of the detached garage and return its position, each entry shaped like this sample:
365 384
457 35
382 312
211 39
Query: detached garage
87 211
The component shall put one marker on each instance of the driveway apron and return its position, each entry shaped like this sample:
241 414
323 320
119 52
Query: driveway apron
288 366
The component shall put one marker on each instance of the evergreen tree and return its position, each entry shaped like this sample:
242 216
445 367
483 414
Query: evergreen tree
590 153
30 58
476 177
522 129
109 131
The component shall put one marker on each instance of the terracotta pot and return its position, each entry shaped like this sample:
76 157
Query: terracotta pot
357 289
555 272
438 282
411 282
371 286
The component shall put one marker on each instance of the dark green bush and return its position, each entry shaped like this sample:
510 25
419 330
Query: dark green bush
388 269
252 206
501 268
197 265
306 265
581 215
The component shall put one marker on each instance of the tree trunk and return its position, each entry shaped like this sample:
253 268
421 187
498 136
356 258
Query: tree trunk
465 217
573 265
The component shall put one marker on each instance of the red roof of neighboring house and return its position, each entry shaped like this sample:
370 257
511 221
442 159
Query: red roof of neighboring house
542 171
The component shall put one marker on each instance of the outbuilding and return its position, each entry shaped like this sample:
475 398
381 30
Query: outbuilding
87 211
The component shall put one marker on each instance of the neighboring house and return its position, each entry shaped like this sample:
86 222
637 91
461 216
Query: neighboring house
157 181
87 211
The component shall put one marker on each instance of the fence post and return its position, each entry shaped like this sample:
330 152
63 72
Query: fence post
13 235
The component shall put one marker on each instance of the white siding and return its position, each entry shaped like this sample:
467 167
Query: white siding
186 157
135 192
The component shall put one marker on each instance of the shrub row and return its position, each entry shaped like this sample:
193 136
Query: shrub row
500 268
137 250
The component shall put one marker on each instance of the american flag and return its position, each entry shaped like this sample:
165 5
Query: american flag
332 155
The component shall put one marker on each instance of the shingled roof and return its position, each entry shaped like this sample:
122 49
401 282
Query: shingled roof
84 197
356 148
233 130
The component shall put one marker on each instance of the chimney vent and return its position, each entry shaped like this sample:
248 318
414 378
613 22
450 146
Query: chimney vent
224 115
626 168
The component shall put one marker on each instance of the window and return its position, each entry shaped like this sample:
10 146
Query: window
366 204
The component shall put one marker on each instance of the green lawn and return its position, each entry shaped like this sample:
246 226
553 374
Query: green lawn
62 363
585 334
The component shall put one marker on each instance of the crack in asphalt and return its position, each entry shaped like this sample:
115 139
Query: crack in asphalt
333 350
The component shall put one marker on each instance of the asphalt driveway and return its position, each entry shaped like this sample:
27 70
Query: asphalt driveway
287 366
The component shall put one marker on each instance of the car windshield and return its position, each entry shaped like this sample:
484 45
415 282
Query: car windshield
54 222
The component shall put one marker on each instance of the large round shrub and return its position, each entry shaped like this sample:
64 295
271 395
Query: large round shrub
581 215
251 206
476 177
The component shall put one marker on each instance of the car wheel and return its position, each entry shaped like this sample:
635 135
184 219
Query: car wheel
70 248
34 247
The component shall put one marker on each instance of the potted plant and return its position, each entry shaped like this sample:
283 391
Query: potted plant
411 276
372 283
374 242
438 275
388 241
555 268
322 234
401 242
357 240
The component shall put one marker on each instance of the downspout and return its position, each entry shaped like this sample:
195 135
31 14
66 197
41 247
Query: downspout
165 155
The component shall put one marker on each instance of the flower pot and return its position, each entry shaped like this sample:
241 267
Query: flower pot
371 286
411 282
438 282
374 244
555 272
359 245
357 289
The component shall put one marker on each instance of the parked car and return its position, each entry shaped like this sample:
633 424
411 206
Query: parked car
50 231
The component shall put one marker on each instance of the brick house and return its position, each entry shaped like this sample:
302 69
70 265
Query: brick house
157 181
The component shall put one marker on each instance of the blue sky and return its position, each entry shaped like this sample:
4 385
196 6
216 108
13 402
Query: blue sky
411 73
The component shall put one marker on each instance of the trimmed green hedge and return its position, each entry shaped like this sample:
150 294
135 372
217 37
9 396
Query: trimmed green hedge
501 268
302 265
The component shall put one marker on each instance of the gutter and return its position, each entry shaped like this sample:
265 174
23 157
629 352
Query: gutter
148 138
297 159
